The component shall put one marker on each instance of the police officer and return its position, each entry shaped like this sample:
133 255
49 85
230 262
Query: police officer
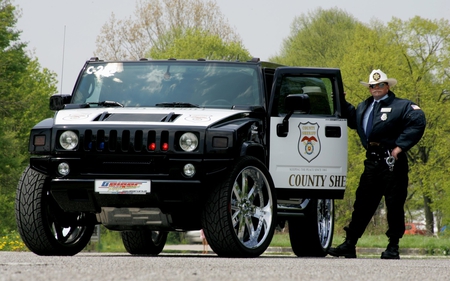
388 127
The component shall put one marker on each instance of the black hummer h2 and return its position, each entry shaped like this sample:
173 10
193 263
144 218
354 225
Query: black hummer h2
147 147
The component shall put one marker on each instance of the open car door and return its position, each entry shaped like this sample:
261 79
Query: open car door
308 136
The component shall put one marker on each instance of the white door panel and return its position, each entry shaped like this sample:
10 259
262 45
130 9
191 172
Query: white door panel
308 157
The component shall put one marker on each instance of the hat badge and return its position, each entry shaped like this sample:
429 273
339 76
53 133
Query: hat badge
376 76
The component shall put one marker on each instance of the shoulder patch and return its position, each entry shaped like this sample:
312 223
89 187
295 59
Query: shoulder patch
415 107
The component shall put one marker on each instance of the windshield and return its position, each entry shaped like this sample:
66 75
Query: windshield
169 83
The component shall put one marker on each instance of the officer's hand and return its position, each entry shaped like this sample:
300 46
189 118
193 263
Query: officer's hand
395 152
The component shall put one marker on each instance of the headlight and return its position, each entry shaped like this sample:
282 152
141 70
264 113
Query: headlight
188 142
68 140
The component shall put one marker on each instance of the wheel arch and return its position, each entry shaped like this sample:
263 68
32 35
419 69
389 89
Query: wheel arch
253 149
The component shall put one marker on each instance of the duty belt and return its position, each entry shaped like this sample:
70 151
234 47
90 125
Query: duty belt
376 152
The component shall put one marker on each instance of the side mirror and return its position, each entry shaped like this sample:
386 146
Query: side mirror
298 102
58 102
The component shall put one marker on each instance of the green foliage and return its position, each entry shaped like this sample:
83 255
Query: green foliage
157 23
110 241
417 53
24 93
195 43
175 237
7 216
424 47
11 242
429 244
318 39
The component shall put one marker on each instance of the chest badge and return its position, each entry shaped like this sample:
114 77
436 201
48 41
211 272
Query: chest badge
384 117
309 142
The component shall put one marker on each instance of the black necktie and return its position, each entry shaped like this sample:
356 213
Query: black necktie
370 121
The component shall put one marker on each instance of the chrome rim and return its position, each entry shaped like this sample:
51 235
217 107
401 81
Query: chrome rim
325 221
251 207
67 235
157 237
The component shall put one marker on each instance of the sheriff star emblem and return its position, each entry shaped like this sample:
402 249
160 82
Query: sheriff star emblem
376 76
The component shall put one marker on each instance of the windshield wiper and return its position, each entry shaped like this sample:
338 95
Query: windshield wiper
106 103
176 104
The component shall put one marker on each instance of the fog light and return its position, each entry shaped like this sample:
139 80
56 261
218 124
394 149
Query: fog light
189 170
63 169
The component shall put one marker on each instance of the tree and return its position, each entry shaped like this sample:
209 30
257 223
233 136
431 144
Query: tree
24 93
155 25
318 38
323 38
416 52
425 51
12 66
194 44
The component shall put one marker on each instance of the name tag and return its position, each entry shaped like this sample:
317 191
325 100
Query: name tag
386 109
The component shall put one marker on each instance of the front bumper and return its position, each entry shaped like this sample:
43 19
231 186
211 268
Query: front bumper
79 195
170 191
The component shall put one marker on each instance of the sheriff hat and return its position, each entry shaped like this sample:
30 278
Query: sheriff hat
377 76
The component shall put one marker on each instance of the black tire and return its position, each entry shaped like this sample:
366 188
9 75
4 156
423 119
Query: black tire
239 217
144 242
43 226
312 235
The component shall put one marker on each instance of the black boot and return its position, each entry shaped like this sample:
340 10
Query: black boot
346 249
391 251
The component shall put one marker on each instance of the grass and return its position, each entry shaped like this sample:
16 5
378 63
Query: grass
12 242
431 244
110 241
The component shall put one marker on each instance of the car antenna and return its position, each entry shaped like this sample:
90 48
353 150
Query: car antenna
62 64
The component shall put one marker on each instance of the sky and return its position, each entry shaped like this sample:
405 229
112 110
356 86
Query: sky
62 33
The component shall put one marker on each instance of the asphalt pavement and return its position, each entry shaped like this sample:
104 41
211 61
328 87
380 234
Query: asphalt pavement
361 252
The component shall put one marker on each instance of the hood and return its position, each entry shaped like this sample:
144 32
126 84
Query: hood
200 117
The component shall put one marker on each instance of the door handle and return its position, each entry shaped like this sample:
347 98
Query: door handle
333 132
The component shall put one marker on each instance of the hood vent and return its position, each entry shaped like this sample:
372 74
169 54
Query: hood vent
129 117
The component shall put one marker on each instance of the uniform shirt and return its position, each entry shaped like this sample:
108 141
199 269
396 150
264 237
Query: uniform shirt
396 122
369 110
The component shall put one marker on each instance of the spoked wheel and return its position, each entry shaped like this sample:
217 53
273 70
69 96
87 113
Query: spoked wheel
312 235
43 226
144 242
239 218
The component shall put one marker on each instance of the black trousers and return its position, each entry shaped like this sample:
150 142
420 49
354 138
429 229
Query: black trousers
377 181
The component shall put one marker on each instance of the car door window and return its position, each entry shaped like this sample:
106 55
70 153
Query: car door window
319 91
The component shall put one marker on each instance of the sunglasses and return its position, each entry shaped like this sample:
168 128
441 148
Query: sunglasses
380 85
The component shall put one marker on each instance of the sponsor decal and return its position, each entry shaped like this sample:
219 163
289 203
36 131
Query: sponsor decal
122 186
198 118
76 117
309 143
